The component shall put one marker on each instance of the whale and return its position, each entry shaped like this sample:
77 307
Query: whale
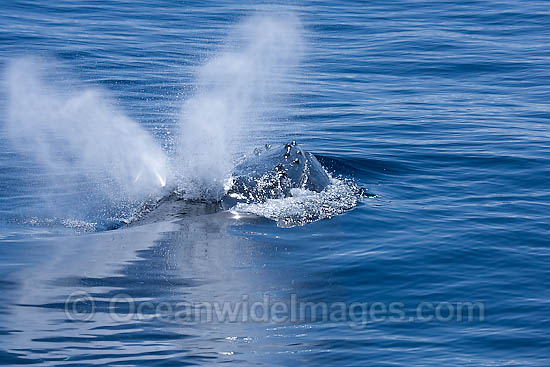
269 172
272 173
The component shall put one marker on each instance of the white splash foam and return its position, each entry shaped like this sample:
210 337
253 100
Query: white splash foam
306 206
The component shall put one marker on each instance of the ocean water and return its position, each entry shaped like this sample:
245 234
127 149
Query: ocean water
439 108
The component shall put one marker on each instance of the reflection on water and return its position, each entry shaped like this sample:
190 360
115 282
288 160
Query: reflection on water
194 259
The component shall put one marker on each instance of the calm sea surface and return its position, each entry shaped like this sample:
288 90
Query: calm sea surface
439 108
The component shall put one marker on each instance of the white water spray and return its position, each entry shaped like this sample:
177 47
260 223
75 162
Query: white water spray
84 144
235 90
80 135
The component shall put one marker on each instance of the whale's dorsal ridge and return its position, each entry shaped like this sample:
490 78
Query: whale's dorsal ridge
272 172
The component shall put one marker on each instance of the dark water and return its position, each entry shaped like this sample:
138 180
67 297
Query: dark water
440 108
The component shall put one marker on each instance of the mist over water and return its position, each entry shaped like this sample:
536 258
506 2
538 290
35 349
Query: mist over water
236 94
79 139
83 144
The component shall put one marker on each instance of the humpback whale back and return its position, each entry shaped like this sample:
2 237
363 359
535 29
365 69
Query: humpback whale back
268 173
272 172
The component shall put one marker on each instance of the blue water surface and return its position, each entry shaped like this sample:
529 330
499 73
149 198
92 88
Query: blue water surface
439 108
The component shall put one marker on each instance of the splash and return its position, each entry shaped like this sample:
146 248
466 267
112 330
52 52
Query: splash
306 206
80 138
236 89
91 151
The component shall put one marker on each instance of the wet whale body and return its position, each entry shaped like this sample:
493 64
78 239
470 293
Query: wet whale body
268 173
272 173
